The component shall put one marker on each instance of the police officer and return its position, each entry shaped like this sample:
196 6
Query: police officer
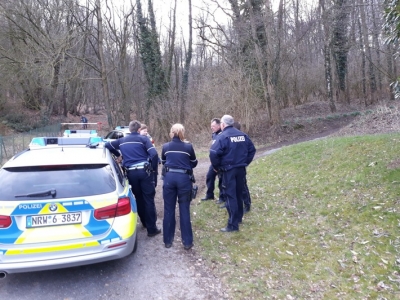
212 174
140 158
230 154
246 193
179 159
143 131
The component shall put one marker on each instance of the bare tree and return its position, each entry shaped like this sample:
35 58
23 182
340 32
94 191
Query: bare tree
340 46
186 68
368 53
327 57
150 54
38 41
123 63
103 72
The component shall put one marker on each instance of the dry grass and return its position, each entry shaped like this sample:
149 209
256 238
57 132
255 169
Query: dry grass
384 119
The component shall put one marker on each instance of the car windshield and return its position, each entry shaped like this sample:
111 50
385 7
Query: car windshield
47 182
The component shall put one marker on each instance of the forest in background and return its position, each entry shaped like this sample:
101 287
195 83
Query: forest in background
60 57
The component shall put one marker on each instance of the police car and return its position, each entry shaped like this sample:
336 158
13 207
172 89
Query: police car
80 133
121 131
118 132
64 202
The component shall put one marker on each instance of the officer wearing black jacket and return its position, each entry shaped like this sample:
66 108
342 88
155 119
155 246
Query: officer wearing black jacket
230 154
212 174
246 193
140 159
179 159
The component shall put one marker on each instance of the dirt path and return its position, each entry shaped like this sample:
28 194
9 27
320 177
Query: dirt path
188 276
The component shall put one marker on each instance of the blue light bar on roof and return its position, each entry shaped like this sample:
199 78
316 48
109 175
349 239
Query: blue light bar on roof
121 127
80 132
43 141
38 142
96 139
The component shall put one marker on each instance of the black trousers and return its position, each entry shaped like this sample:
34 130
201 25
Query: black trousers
233 180
210 182
142 185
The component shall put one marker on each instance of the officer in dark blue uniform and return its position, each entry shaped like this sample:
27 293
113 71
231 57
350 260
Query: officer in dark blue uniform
179 159
212 174
246 193
140 159
230 154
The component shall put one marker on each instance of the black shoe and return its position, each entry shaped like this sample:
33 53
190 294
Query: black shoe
246 209
168 245
223 205
227 229
188 247
220 201
206 198
158 231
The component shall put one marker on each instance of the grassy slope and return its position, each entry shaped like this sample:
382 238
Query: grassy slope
324 224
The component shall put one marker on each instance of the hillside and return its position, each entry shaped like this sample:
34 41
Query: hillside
302 122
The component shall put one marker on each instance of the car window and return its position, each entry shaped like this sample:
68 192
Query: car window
119 135
120 174
39 182
111 135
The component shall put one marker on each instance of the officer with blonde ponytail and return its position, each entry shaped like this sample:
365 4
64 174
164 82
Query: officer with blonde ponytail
178 159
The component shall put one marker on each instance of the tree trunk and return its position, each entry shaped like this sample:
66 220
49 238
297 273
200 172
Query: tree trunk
185 76
171 45
371 71
363 63
260 28
327 56
103 74
340 46
390 64
375 36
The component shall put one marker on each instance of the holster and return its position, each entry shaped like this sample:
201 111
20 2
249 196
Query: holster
192 179
148 168
163 170
194 191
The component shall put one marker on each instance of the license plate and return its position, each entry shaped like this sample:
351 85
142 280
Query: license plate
53 219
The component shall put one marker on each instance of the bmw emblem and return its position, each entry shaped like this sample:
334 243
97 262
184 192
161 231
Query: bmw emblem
53 207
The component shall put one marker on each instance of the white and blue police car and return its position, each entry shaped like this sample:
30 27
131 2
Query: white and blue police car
64 202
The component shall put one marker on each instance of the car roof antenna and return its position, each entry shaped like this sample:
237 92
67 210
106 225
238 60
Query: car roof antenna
62 145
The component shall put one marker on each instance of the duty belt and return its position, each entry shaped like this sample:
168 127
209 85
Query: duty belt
138 166
177 170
